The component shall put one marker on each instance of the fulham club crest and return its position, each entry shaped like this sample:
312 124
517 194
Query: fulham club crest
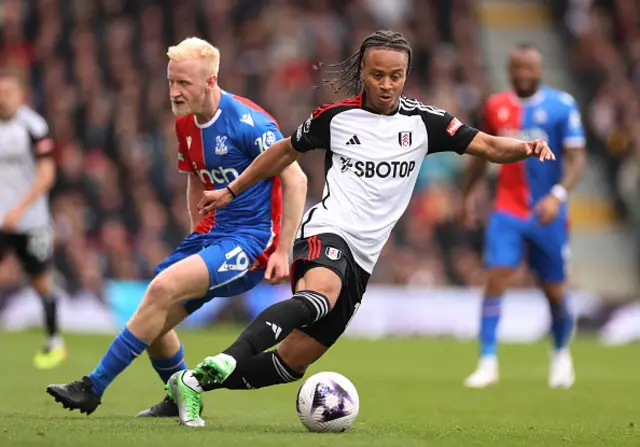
405 139
333 253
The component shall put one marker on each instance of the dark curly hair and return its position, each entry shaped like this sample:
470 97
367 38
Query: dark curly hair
347 73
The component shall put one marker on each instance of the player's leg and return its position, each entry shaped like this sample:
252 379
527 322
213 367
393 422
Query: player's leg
54 350
269 328
167 357
286 364
548 257
34 249
301 347
296 353
229 262
166 352
186 279
322 288
504 248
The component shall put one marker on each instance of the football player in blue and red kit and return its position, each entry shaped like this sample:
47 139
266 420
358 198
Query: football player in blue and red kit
530 218
228 252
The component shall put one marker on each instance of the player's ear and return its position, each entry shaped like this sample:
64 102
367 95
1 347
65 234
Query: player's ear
211 81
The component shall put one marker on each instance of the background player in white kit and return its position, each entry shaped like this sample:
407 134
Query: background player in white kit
27 173
375 144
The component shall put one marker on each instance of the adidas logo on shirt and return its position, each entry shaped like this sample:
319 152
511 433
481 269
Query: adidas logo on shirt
353 140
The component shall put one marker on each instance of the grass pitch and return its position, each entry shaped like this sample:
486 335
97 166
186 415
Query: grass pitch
410 391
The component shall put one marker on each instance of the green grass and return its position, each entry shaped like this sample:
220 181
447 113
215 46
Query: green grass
410 391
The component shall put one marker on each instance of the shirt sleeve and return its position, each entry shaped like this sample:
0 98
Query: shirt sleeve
39 133
259 135
314 132
571 128
184 163
446 132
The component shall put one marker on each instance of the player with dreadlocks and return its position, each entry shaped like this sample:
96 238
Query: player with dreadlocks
375 143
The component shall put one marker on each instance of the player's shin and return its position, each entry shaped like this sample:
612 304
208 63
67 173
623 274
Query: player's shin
491 310
123 350
562 323
50 307
144 327
269 328
486 373
278 321
43 285
259 371
167 366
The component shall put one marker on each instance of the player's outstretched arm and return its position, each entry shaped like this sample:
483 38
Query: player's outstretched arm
268 164
508 150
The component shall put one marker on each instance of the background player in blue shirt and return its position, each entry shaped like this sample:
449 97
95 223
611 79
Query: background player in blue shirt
530 215
230 251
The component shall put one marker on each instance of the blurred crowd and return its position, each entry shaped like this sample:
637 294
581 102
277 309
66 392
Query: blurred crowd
606 42
97 71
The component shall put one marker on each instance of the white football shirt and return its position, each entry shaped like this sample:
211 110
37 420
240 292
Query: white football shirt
19 150
372 163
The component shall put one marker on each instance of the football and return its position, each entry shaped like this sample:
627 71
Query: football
327 402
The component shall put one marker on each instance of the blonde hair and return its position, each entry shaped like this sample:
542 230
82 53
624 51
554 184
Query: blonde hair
195 48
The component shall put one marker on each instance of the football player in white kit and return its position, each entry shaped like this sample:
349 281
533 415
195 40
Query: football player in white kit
375 143
27 173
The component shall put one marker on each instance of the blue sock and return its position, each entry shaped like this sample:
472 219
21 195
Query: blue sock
489 325
561 323
167 367
123 350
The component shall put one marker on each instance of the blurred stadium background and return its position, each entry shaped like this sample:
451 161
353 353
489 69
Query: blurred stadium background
97 71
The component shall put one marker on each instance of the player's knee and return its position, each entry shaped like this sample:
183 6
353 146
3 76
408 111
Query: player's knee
43 283
330 287
497 282
161 291
555 292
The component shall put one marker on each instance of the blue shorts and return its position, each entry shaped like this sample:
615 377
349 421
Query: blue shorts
507 238
229 260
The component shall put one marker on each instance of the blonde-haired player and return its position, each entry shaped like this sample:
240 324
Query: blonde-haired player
194 48
226 254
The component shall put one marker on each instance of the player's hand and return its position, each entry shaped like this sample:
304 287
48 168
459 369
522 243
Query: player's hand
466 216
277 267
539 149
547 209
211 200
12 219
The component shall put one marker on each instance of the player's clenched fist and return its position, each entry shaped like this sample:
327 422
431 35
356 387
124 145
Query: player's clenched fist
539 149
214 199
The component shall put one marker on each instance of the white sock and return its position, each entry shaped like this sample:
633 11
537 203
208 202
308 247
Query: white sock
54 342
191 382
228 358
